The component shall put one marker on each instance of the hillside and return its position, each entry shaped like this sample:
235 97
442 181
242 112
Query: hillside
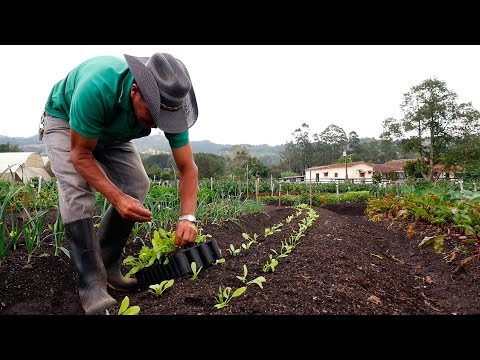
157 143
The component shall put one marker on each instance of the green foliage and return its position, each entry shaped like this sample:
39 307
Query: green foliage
195 271
126 309
159 289
225 295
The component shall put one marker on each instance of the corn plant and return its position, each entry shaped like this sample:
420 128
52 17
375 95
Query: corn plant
226 295
159 289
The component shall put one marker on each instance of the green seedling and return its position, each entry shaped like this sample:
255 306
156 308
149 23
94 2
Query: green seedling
193 266
258 280
233 251
219 261
126 309
271 264
244 277
225 296
159 289
271 230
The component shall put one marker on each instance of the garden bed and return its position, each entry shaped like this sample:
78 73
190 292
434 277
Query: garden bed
344 265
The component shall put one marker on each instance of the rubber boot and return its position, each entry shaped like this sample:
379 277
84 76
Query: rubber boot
91 275
113 234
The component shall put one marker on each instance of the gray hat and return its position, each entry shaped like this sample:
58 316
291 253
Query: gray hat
166 87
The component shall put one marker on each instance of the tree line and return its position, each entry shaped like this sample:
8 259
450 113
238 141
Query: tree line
435 129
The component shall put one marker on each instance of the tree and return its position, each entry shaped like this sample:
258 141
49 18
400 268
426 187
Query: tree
9 148
431 119
209 165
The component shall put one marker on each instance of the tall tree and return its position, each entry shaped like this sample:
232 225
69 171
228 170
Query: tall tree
209 165
431 119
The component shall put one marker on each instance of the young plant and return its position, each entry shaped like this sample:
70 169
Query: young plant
126 309
193 266
258 280
271 264
226 295
271 230
233 251
250 242
219 261
159 289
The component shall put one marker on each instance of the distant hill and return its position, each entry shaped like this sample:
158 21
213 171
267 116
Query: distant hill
158 143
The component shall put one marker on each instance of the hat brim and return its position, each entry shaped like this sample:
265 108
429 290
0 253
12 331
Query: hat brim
173 122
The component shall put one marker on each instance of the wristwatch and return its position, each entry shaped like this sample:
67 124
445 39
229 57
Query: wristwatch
188 217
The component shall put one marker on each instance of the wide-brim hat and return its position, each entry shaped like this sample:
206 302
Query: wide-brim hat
166 87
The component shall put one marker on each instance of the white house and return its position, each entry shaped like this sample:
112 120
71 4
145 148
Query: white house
22 166
358 171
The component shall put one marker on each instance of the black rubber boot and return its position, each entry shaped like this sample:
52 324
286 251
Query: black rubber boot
91 275
113 234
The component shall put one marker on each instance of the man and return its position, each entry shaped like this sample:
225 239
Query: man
89 120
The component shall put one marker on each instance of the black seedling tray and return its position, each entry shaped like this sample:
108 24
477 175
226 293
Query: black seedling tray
203 254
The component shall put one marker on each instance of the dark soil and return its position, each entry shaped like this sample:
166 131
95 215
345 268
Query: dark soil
344 265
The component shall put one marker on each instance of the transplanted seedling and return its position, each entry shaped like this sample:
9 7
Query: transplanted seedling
193 266
159 289
226 295
258 280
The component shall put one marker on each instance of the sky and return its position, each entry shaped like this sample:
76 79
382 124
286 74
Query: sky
258 94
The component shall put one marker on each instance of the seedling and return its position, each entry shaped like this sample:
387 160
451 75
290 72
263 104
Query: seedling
271 264
193 266
219 261
125 309
225 296
159 289
233 251
258 280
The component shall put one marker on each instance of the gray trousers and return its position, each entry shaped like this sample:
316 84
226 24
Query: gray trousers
120 161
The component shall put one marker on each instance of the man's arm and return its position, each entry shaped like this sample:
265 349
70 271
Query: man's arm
186 232
84 162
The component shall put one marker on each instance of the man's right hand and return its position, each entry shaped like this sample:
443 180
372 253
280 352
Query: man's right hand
131 209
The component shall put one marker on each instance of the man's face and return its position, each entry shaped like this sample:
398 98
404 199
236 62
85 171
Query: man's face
141 108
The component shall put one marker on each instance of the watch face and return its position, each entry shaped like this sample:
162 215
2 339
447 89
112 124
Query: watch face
190 218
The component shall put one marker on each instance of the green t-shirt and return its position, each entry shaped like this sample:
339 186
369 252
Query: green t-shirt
95 99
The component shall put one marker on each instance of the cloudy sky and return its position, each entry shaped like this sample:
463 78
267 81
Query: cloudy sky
258 94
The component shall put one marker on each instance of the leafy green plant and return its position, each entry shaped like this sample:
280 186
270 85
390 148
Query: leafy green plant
159 289
126 309
226 295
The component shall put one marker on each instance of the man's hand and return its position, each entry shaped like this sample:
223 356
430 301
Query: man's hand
130 208
185 233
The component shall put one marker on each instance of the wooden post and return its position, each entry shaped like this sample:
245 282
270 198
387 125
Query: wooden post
257 181
310 184
338 192
279 193
211 183
271 183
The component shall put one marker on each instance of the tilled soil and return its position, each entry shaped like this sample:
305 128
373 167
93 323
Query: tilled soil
344 265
